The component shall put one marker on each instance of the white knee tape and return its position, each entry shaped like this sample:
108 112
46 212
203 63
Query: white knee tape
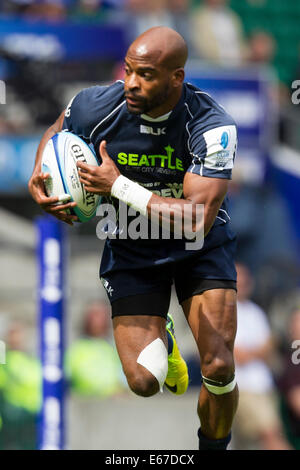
154 357
217 388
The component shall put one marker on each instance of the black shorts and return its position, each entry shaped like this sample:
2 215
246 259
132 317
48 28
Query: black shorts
157 303
146 289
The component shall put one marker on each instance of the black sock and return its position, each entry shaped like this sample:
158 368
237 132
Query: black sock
213 444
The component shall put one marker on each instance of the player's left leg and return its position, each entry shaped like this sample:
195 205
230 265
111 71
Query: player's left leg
212 319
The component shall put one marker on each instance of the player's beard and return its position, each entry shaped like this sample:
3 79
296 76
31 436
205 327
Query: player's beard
146 105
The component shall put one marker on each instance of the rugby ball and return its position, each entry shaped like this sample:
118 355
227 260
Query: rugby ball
59 159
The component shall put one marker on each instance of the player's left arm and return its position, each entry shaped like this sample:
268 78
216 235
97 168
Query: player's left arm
187 212
207 191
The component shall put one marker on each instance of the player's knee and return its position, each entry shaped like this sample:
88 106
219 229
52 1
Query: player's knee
147 375
142 383
150 371
219 367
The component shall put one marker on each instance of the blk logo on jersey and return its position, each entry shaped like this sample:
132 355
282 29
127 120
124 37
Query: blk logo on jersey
150 130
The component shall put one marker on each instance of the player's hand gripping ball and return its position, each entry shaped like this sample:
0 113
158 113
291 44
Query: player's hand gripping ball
59 159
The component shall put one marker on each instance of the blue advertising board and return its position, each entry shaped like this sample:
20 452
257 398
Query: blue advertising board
246 94
285 174
65 41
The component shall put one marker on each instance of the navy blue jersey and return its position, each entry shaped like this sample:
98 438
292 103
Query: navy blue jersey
197 136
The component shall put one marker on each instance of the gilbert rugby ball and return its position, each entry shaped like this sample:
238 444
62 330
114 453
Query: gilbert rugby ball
59 159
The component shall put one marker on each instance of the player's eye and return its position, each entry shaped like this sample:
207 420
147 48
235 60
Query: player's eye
147 75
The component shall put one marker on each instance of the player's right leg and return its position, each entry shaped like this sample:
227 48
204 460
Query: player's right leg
140 301
142 347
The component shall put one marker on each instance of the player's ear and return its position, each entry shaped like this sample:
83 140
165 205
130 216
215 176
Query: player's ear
178 77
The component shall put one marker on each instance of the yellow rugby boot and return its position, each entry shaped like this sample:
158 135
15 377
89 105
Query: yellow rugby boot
177 379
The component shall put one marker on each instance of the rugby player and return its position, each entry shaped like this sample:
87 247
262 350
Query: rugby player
162 143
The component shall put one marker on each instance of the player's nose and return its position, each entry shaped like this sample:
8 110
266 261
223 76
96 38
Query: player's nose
132 82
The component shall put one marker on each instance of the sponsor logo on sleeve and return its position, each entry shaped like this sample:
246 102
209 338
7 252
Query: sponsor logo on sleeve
220 144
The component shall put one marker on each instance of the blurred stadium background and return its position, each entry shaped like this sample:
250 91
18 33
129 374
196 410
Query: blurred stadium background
246 54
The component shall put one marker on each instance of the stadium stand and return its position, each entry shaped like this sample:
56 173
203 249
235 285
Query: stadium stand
279 18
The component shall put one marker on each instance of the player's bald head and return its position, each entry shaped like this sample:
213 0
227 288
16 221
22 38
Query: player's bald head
161 46
154 71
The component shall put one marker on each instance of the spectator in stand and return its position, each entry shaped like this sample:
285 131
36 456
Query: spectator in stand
217 33
20 392
144 14
289 382
88 11
261 48
271 252
15 7
257 424
93 367
50 10
179 11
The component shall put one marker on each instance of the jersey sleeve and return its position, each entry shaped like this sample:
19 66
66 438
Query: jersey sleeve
80 114
212 151
89 107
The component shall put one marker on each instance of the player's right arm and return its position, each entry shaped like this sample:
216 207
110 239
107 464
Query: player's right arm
36 183
80 117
